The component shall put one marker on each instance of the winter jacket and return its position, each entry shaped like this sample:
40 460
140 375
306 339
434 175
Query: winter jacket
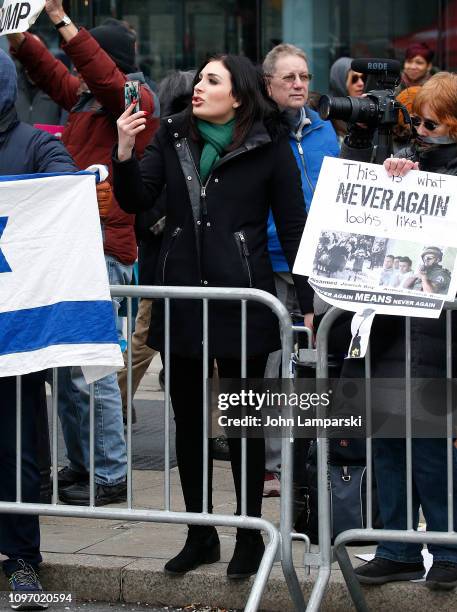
91 132
216 235
25 150
316 140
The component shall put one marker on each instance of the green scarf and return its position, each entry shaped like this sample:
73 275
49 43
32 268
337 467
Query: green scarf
217 138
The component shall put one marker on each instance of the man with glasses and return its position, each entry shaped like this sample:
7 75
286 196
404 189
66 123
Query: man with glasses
311 139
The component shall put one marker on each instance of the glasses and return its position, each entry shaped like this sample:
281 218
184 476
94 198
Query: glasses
428 123
357 77
305 77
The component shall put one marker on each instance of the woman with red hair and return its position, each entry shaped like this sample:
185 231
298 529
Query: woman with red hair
417 65
434 149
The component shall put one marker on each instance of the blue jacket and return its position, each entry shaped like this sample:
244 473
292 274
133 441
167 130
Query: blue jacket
317 140
25 150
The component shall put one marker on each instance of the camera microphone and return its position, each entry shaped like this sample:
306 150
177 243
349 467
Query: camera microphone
376 66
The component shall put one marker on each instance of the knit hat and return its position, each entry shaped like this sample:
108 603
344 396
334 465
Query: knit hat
419 49
8 82
114 38
338 76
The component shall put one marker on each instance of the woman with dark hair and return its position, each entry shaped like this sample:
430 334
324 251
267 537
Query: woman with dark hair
175 93
225 161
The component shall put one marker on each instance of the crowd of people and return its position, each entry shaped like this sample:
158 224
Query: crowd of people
216 194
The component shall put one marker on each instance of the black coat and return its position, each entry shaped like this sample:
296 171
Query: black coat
149 226
217 236
387 339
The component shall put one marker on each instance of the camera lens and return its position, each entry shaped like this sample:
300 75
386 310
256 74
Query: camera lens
335 108
325 107
363 110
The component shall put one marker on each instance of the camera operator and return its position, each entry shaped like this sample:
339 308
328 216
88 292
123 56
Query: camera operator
433 149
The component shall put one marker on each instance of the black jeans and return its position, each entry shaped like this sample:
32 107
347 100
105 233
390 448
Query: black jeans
186 392
19 533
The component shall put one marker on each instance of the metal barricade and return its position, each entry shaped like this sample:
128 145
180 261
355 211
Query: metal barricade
167 515
324 557
288 535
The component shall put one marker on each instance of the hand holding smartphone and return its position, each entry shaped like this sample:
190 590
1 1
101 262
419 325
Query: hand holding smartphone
132 93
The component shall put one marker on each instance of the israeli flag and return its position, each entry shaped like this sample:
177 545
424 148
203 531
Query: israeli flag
55 305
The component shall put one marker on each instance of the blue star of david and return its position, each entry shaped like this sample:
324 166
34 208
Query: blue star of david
4 265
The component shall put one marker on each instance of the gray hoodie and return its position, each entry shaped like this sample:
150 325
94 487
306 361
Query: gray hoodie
338 76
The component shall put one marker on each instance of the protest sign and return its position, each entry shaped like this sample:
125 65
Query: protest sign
55 304
18 16
387 243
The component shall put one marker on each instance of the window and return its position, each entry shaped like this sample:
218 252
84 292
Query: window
180 34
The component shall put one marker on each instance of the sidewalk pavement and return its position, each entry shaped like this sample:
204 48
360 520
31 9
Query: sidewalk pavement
108 560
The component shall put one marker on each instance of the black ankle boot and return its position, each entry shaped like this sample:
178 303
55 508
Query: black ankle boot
247 555
202 546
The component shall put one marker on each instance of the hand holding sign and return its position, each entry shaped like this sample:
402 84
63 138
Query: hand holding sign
396 166
18 16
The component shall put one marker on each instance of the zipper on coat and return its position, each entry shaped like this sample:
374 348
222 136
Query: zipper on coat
204 207
241 239
174 234
302 157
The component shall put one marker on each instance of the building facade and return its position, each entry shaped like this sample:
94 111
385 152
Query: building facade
180 34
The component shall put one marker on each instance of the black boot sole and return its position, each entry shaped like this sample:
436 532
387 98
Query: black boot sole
435 585
211 557
244 576
119 499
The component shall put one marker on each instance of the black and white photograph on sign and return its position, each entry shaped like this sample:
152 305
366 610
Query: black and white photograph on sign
385 263
348 256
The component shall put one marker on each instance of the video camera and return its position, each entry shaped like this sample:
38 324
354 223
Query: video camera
378 107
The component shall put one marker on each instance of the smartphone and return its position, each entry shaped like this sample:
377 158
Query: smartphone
131 93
